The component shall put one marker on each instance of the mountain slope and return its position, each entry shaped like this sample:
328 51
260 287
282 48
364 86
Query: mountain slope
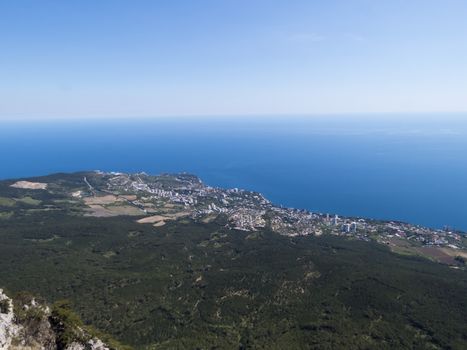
26 323
199 282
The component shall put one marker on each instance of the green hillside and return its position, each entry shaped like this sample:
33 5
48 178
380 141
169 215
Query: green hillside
193 285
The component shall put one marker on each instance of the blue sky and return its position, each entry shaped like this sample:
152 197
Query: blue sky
115 58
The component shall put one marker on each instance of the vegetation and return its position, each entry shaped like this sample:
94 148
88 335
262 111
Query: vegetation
6 202
26 315
66 325
190 285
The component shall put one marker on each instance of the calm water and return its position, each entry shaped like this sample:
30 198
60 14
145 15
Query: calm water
411 168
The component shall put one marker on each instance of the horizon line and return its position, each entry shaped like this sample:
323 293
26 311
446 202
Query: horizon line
228 115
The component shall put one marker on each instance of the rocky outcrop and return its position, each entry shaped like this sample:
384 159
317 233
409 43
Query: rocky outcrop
8 328
26 324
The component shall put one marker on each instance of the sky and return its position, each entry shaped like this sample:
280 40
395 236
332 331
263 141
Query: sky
124 58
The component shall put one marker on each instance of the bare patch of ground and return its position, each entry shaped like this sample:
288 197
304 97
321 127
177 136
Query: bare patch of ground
102 200
402 246
77 194
454 252
161 220
125 210
130 197
438 254
98 211
30 185
444 255
152 219
208 219
111 205
101 211
156 218
179 214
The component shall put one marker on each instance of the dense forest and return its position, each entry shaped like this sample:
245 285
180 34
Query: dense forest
191 285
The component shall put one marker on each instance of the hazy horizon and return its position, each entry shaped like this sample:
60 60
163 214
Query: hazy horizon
370 116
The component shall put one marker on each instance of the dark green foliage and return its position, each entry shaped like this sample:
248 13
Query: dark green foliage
66 325
201 286
69 328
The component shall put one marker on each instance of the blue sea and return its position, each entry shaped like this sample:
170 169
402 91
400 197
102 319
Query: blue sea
402 167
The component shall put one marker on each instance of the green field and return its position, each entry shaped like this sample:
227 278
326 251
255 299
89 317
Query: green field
7 202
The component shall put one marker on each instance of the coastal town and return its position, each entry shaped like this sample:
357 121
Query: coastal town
162 199
167 195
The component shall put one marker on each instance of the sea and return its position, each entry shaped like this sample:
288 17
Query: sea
409 167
